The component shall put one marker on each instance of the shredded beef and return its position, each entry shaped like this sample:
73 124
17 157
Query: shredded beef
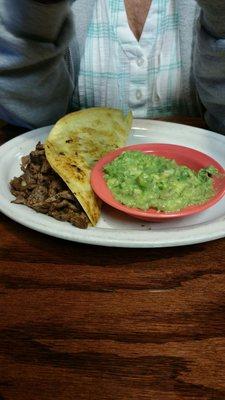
40 188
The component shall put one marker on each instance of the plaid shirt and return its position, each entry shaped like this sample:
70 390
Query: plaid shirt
118 71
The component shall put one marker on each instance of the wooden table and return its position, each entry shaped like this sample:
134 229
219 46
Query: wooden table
84 322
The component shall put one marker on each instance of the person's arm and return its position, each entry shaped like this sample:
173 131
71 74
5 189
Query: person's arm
209 62
35 84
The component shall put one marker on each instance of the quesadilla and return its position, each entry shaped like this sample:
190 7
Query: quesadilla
80 139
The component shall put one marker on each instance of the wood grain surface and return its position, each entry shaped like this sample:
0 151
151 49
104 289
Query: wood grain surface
92 323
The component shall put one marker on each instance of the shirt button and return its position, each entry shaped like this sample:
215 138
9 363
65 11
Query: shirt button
138 94
140 61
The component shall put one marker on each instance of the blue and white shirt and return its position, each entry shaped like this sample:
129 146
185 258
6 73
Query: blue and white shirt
119 71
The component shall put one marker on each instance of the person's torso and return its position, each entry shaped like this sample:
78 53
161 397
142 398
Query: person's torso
117 70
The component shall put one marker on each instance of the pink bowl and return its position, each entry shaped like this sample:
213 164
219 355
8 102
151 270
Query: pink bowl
183 155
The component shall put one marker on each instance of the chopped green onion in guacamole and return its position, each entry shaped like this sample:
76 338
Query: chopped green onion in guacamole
144 181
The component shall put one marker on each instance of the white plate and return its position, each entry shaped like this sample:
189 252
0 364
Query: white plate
114 228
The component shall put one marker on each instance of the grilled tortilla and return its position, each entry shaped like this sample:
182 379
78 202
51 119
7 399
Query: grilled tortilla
80 139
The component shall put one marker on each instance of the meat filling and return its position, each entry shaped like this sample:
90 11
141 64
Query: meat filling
40 188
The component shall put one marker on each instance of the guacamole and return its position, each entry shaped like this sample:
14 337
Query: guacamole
145 181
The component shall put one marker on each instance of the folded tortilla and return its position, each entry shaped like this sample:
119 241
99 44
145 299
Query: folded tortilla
77 141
